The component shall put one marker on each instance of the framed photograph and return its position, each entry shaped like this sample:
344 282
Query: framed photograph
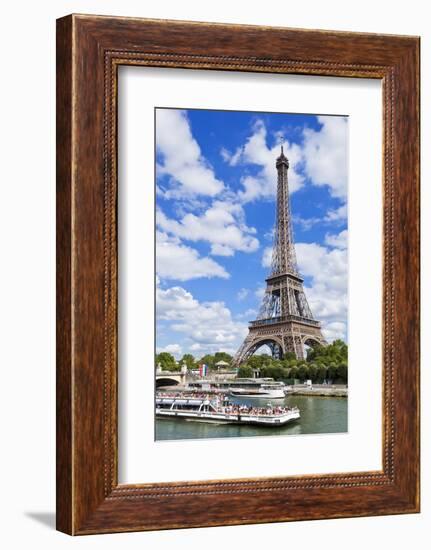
237 274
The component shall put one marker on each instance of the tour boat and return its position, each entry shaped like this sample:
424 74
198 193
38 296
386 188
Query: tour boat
214 410
269 391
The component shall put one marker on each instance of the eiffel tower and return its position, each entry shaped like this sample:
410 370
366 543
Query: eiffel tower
285 322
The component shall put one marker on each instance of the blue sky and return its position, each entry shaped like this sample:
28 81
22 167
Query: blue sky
215 213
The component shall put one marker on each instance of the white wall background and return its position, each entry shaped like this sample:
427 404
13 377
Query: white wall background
27 289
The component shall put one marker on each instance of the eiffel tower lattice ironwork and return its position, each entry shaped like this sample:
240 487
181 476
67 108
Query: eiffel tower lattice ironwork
285 322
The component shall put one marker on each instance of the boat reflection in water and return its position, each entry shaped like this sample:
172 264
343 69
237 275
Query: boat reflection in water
217 408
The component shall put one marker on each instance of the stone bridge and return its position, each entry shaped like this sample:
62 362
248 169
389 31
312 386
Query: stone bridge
167 378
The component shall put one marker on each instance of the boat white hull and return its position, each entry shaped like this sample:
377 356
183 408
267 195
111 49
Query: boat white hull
272 394
227 418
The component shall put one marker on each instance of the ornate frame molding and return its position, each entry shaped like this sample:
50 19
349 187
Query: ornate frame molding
90 49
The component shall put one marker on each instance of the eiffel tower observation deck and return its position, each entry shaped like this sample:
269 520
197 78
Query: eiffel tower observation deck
285 322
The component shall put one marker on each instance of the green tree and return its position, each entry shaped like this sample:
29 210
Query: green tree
303 372
222 356
189 361
274 370
280 373
314 352
332 371
207 360
336 352
245 371
342 372
312 372
258 361
322 373
294 373
167 361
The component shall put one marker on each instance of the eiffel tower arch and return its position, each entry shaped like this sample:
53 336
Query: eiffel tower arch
285 322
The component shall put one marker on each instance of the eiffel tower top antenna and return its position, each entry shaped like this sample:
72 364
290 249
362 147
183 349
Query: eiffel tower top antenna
283 252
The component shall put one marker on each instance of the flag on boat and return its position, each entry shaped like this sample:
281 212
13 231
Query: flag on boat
203 370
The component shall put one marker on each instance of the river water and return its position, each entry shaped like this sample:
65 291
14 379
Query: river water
318 415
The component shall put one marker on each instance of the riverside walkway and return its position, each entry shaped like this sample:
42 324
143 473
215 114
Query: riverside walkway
318 390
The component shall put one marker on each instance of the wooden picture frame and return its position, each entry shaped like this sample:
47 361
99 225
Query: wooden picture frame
89 51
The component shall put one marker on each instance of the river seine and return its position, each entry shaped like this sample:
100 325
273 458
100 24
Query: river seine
318 415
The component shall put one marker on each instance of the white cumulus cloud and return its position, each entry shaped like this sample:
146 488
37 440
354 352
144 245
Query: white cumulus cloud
242 294
207 327
327 294
260 292
337 241
183 263
267 257
325 154
334 331
337 215
255 151
322 157
175 349
222 225
182 157
249 314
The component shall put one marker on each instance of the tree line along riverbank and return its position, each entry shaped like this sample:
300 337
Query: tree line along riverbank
322 364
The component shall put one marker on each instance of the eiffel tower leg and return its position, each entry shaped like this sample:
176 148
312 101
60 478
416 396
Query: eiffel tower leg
293 344
299 349
289 344
276 351
244 351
